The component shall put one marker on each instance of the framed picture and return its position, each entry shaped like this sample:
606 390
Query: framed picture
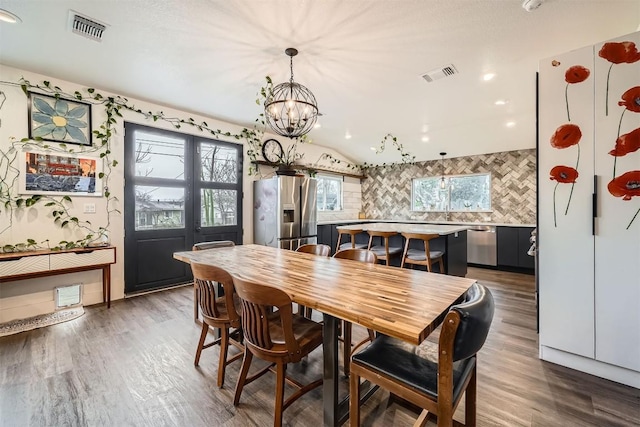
59 174
59 120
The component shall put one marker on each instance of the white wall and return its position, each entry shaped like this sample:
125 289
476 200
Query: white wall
26 298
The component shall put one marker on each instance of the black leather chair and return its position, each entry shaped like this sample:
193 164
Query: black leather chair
431 377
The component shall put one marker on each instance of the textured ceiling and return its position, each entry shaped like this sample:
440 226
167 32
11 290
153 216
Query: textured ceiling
362 59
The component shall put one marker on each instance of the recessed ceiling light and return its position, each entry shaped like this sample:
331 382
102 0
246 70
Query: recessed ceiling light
510 124
373 149
425 138
6 16
347 135
317 125
501 102
488 76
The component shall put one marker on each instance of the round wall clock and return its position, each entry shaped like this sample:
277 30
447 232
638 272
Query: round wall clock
272 151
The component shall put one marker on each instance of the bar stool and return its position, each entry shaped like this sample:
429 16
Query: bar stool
383 252
420 257
352 243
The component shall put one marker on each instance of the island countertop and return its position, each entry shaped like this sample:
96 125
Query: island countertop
442 230
409 221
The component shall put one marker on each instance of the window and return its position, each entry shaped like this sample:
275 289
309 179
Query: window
459 193
329 193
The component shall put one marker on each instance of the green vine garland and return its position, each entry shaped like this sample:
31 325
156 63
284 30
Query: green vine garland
113 106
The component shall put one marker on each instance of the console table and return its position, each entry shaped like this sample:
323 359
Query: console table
33 264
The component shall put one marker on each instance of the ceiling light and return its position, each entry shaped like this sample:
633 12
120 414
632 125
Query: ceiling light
290 108
347 135
501 102
510 124
443 182
373 149
317 125
6 16
488 76
425 138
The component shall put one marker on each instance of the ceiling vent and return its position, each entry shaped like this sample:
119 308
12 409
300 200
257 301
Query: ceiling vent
85 26
440 73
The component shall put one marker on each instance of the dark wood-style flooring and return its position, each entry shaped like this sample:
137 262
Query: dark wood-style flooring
132 365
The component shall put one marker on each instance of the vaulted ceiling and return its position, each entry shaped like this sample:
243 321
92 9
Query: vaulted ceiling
364 61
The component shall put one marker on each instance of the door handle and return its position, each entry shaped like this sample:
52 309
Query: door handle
198 228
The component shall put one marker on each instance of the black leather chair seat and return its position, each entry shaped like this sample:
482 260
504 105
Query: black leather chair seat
416 366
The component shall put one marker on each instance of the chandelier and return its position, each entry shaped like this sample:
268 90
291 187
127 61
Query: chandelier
291 109
443 182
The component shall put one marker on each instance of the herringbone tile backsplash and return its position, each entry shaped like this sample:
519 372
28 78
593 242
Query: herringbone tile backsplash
386 193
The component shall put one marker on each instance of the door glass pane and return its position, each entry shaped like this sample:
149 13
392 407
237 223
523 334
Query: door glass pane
219 163
219 207
159 156
159 207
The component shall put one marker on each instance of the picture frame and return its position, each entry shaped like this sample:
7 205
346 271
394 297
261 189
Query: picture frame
60 120
59 174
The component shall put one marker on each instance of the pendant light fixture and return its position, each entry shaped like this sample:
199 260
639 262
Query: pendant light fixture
291 109
443 182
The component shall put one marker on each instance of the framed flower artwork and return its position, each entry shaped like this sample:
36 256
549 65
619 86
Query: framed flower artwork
59 120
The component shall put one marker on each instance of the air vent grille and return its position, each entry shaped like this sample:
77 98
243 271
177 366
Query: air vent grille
86 27
440 73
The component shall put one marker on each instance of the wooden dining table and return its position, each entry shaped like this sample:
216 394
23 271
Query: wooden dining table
402 303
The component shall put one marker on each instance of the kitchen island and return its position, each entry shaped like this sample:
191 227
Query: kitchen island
452 240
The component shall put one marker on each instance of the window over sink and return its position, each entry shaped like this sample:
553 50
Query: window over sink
453 193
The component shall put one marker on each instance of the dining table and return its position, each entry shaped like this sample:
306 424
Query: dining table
402 303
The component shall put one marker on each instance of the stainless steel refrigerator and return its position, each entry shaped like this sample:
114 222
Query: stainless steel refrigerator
284 211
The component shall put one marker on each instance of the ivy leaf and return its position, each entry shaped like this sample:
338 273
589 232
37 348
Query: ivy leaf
64 224
101 175
67 198
50 204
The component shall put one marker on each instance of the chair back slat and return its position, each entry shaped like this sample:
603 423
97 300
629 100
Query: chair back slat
362 255
315 249
255 322
205 277
475 315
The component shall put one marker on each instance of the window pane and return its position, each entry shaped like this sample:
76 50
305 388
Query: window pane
329 194
428 194
159 207
159 156
219 207
470 193
219 163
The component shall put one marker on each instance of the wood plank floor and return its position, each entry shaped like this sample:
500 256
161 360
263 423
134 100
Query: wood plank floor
132 365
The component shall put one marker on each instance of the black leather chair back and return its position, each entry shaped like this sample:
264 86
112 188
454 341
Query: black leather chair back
476 314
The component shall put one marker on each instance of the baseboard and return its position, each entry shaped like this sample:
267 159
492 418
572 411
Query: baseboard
591 366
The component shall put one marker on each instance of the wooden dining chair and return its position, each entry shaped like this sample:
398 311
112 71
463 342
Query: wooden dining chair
315 249
201 247
361 255
431 378
424 257
217 312
384 252
277 336
352 242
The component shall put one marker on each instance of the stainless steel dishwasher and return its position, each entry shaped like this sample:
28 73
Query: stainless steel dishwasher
481 245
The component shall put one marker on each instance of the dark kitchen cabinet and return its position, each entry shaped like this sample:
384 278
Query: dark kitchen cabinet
513 244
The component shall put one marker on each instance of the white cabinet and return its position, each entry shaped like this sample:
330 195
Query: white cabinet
589 265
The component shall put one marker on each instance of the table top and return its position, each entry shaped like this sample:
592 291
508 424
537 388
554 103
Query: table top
442 230
403 303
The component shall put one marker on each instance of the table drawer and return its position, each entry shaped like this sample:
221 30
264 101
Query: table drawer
82 259
28 264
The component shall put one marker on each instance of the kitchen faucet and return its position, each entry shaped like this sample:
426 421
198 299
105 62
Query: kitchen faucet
446 213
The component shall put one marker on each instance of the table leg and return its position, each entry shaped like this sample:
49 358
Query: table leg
106 285
330 404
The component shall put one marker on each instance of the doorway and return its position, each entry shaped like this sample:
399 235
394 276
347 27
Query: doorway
179 190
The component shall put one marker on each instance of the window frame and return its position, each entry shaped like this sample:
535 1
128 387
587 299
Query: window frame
448 192
339 200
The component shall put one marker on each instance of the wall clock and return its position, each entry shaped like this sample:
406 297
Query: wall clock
272 151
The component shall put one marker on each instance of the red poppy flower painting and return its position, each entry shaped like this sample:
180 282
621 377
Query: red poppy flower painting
573 75
626 186
564 175
631 99
618 53
566 136
627 143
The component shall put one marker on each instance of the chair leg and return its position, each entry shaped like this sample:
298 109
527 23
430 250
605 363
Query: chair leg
224 347
441 262
242 376
470 402
203 336
354 400
347 347
281 371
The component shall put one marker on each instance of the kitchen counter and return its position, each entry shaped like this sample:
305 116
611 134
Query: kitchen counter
406 221
440 229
